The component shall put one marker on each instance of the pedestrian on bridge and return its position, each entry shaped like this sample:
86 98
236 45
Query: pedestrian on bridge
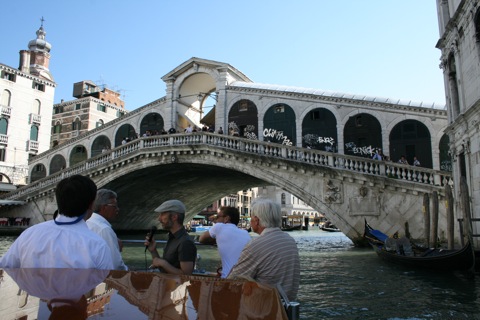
403 160
416 162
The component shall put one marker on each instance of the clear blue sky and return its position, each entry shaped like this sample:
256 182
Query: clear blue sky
383 48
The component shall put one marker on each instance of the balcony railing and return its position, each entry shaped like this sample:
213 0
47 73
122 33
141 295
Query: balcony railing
32 145
35 118
5 110
3 139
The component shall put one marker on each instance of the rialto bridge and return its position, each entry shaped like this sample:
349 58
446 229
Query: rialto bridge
314 144
200 168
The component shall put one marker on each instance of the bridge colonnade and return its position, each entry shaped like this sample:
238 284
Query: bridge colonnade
333 122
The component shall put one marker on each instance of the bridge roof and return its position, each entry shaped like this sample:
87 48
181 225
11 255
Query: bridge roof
342 95
199 61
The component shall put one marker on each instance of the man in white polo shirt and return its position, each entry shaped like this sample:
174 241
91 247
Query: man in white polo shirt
230 239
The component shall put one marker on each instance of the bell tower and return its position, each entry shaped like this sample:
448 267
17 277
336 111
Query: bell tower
36 60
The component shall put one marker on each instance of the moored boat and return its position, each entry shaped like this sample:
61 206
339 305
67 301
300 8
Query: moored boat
291 228
401 251
329 227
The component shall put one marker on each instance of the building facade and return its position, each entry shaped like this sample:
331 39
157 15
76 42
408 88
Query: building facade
93 107
459 24
290 204
26 100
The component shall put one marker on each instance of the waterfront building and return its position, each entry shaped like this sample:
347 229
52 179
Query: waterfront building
459 24
290 204
26 100
94 106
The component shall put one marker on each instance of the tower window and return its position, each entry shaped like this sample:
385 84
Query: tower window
38 86
101 107
58 110
8 76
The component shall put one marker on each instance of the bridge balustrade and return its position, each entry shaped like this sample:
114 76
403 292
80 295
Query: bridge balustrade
310 156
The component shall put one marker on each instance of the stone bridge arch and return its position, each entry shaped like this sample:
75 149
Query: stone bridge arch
201 168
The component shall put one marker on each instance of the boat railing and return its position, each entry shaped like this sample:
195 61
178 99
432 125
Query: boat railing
292 308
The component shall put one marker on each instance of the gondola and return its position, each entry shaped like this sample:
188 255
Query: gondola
427 258
291 228
331 228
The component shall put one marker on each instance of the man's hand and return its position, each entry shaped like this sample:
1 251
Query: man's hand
151 245
158 263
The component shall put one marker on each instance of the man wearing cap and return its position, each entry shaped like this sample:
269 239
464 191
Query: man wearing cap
180 252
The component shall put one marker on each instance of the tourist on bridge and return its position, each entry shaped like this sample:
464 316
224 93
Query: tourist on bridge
378 155
230 239
416 163
180 253
189 129
272 258
105 210
65 241
403 160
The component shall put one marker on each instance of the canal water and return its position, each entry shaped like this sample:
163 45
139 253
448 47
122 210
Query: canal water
339 281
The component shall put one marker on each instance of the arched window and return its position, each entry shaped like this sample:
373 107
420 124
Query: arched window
38 172
57 128
36 106
100 123
76 125
6 98
34 133
3 126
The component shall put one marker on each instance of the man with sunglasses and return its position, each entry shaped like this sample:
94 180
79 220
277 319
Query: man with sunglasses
230 239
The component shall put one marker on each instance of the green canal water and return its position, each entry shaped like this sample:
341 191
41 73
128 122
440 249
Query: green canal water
339 281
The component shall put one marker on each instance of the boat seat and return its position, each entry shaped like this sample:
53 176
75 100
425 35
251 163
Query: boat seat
391 244
404 247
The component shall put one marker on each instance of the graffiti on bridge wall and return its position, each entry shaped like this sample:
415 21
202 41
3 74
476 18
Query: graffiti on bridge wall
446 165
248 131
362 151
314 141
278 135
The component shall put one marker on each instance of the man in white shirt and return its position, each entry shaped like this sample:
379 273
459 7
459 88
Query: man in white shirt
65 241
105 209
188 129
230 239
